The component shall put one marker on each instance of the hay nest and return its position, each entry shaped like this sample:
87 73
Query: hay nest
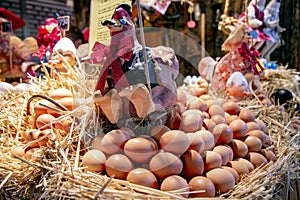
55 171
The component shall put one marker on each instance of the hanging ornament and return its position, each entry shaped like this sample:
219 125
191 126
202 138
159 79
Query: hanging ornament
191 23
161 5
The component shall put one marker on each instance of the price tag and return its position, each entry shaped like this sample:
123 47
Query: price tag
6 27
63 23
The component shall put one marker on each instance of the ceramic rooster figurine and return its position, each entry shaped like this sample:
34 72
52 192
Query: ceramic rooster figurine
240 58
273 29
121 90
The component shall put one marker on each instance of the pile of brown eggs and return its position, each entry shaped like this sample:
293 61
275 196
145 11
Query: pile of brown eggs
207 148
46 118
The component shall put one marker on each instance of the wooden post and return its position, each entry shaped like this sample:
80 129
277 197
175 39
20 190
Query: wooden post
144 46
203 30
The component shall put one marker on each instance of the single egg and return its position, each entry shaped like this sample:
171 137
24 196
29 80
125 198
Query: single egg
191 120
113 142
239 148
246 115
60 93
174 141
208 138
218 119
224 184
119 166
252 126
256 159
193 164
262 124
216 110
44 121
254 143
230 118
140 149
231 107
67 102
196 142
209 124
240 167
165 164
142 177
223 151
39 109
158 130
175 183
223 134
258 133
96 143
200 186
247 163
94 160
196 103
269 154
205 97
233 172
239 128
211 160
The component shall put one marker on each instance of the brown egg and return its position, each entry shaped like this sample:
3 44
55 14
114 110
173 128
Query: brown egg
211 160
96 143
175 122
218 119
191 120
233 172
267 141
94 160
44 121
231 107
223 151
142 177
230 118
240 167
246 115
39 109
203 185
53 112
140 149
205 97
262 125
208 138
175 183
113 142
60 93
196 90
158 130
196 142
269 154
18 151
165 164
179 108
68 123
196 103
67 102
239 148
222 133
247 163
216 110
174 141
239 128
252 126
119 166
193 164
258 133
230 151
254 143
224 184
58 124
256 159
209 124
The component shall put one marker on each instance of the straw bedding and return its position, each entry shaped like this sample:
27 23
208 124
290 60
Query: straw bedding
55 171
